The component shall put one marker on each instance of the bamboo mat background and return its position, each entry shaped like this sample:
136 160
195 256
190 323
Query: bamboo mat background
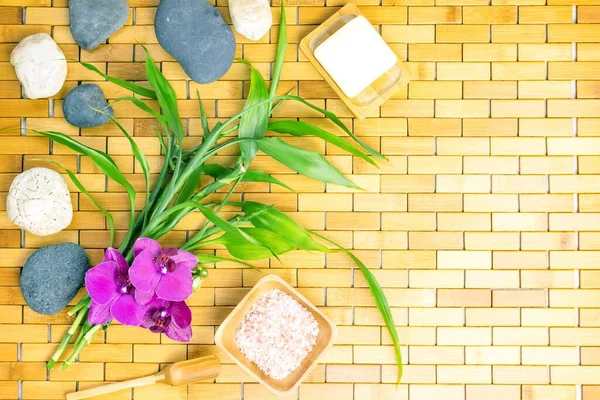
484 228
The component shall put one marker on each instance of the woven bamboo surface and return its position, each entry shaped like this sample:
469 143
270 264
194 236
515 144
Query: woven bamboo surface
484 228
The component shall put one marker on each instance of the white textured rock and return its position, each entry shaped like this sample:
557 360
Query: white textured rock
39 202
40 66
251 18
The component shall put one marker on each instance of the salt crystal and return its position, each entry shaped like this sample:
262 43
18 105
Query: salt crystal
277 334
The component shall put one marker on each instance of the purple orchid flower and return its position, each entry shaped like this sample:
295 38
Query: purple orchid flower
166 272
111 291
173 318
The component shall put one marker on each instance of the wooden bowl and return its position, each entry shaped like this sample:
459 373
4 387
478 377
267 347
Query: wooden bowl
225 336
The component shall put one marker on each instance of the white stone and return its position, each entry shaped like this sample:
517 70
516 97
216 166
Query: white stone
39 202
40 66
251 18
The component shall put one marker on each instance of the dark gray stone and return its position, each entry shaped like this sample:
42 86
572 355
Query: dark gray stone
195 34
93 21
52 276
80 103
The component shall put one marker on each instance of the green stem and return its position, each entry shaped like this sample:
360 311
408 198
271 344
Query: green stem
87 339
65 340
82 303
189 153
147 208
131 231
84 329
195 162
220 207
175 185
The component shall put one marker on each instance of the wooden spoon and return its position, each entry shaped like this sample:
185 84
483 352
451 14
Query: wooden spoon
180 373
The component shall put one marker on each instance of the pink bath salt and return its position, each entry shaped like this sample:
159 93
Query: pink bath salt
277 334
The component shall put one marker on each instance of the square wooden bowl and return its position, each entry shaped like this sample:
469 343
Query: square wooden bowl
225 336
367 102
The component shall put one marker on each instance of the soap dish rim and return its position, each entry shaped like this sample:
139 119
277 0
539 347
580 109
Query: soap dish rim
361 111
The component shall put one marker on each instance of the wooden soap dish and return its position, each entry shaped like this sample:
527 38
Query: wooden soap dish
225 336
367 101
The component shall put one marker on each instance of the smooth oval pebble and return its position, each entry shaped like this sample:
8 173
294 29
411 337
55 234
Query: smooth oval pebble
39 202
81 104
251 18
194 33
93 21
40 65
52 276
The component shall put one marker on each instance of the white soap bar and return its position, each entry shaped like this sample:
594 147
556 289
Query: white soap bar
355 56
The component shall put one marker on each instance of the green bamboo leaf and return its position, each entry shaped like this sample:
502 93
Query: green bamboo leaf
254 123
79 185
161 141
138 154
166 97
144 107
218 171
299 128
226 226
305 162
104 163
203 118
280 52
380 300
102 160
274 220
204 258
340 124
190 186
142 91
245 250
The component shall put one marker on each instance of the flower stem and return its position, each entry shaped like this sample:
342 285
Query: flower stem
227 196
84 329
87 339
82 303
175 185
65 340
158 188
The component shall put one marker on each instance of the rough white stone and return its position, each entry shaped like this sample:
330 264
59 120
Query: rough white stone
251 18
39 202
40 66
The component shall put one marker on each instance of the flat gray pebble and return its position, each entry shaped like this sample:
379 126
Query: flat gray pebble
52 276
195 34
80 103
93 21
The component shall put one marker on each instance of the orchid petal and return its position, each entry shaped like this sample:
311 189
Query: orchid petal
143 273
176 285
143 298
101 282
180 334
185 259
115 256
181 314
127 311
99 313
146 244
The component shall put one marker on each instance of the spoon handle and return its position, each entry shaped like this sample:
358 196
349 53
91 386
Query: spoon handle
113 387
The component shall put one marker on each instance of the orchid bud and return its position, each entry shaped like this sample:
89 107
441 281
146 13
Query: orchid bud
197 283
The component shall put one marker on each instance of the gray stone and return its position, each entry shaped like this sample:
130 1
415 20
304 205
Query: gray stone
52 276
80 103
93 21
195 34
